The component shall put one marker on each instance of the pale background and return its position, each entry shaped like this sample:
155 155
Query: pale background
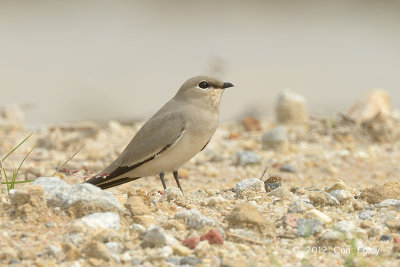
102 60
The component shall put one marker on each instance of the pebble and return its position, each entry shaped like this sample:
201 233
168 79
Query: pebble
316 214
345 226
339 185
194 219
160 254
288 168
366 214
191 242
97 250
251 124
244 158
114 247
291 107
341 195
377 194
306 227
331 238
154 237
280 192
390 202
80 199
374 102
137 228
213 237
213 201
290 219
110 220
253 184
299 207
275 139
385 238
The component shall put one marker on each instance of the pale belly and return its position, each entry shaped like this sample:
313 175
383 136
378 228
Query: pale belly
186 148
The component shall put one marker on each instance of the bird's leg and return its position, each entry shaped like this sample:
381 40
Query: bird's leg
176 177
163 180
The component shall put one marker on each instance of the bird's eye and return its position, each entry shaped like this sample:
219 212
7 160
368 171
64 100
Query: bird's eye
203 85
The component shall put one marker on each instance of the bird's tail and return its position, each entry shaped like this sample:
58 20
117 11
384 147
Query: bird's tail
104 182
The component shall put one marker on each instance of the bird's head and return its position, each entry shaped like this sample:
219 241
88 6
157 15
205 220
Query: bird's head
203 90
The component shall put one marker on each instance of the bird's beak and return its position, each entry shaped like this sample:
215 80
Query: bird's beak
226 85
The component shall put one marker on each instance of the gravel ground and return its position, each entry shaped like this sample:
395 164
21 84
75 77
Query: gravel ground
321 194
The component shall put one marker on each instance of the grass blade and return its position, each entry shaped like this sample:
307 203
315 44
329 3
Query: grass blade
15 148
62 166
19 167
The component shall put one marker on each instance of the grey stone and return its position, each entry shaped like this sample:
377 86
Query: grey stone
385 238
249 184
341 195
190 260
288 168
109 220
345 226
306 227
114 247
366 214
194 219
247 158
85 198
390 202
155 236
299 207
276 138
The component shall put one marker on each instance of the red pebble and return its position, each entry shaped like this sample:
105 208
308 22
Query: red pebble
396 240
161 192
190 242
213 237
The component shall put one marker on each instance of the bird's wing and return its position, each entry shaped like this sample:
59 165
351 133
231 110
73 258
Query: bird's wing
158 135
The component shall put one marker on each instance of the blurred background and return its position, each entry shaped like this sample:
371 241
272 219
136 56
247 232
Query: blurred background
102 60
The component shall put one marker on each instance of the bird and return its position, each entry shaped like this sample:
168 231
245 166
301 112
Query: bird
172 136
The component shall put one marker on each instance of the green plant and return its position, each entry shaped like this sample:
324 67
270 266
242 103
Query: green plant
11 180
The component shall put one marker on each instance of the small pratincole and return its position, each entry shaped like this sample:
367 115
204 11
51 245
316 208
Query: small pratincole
175 134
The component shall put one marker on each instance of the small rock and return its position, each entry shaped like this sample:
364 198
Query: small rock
366 224
331 239
374 102
213 237
136 206
366 214
246 214
190 242
317 198
357 205
272 183
190 261
291 108
172 193
385 238
339 185
109 220
212 201
194 219
97 250
50 225
160 254
316 214
341 195
144 220
280 192
80 199
290 219
299 207
377 194
251 124
181 250
114 247
275 139
137 228
306 227
252 184
288 168
154 237
345 226
244 158
393 225
390 202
